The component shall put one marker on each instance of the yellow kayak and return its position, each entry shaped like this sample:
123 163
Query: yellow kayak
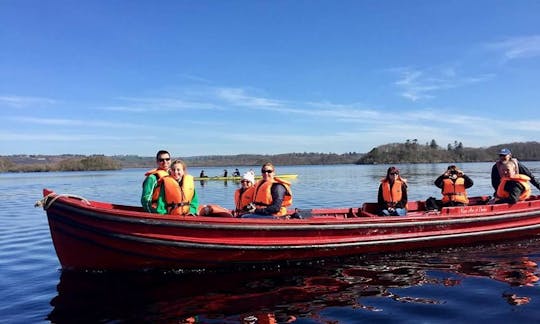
220 178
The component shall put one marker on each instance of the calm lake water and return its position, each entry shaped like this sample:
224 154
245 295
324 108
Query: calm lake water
491 283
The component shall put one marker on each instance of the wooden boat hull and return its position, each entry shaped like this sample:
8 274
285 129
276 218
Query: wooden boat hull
218 178
97 235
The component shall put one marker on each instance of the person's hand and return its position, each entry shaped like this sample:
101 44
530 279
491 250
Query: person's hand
250 208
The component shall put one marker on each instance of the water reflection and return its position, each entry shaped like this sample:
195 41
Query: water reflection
287 293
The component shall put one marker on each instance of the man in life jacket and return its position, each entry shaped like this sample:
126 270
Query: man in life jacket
177 191
163 162
497 171
271 196
513 187
392 195
243 196
453 183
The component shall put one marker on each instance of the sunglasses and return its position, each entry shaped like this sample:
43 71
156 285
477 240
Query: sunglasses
267 171
163 160
245 181
394 173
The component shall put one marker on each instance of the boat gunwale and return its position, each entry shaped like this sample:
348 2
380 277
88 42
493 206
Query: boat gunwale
326 223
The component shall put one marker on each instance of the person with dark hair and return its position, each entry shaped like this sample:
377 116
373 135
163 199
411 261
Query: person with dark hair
453 183
392 195
505 158
271 196
163 162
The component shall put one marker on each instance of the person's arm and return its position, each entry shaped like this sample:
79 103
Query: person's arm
380 199
194 204
468 181
439 181
278 192
514 190
404 198
148 190
524 170
495 177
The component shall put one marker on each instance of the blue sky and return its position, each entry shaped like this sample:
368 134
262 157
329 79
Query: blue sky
265 77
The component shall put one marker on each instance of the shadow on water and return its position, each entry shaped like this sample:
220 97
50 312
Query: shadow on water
303 292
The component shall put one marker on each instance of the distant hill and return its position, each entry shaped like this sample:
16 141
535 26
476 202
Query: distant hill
412 152
408 152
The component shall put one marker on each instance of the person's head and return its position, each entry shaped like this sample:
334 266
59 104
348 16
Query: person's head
248 179
392 173
509 169
267 171
178 169
505 154
452 171
163 160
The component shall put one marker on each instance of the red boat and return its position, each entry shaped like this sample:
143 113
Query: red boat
104 236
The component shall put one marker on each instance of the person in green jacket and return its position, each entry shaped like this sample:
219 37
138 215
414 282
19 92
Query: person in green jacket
163 162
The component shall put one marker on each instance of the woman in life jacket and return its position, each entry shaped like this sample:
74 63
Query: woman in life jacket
178 191
392 195
271 196
514 187
453 183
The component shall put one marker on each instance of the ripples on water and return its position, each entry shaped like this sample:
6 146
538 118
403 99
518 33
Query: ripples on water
496 283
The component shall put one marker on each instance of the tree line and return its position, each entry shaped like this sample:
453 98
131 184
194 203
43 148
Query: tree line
409 151
413 152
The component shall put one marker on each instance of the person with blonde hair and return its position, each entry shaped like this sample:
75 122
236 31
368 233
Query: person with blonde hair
178 191
506 158
513 187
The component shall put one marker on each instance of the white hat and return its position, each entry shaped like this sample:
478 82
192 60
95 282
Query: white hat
249 176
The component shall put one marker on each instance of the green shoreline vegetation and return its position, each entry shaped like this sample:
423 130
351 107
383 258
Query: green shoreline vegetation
395 153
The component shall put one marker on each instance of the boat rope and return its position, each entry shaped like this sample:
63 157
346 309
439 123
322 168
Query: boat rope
46 202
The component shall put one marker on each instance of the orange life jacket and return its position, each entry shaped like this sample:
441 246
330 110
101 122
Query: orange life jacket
454 191
159 173
521 178
263 195
176 198
242 199
392 195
